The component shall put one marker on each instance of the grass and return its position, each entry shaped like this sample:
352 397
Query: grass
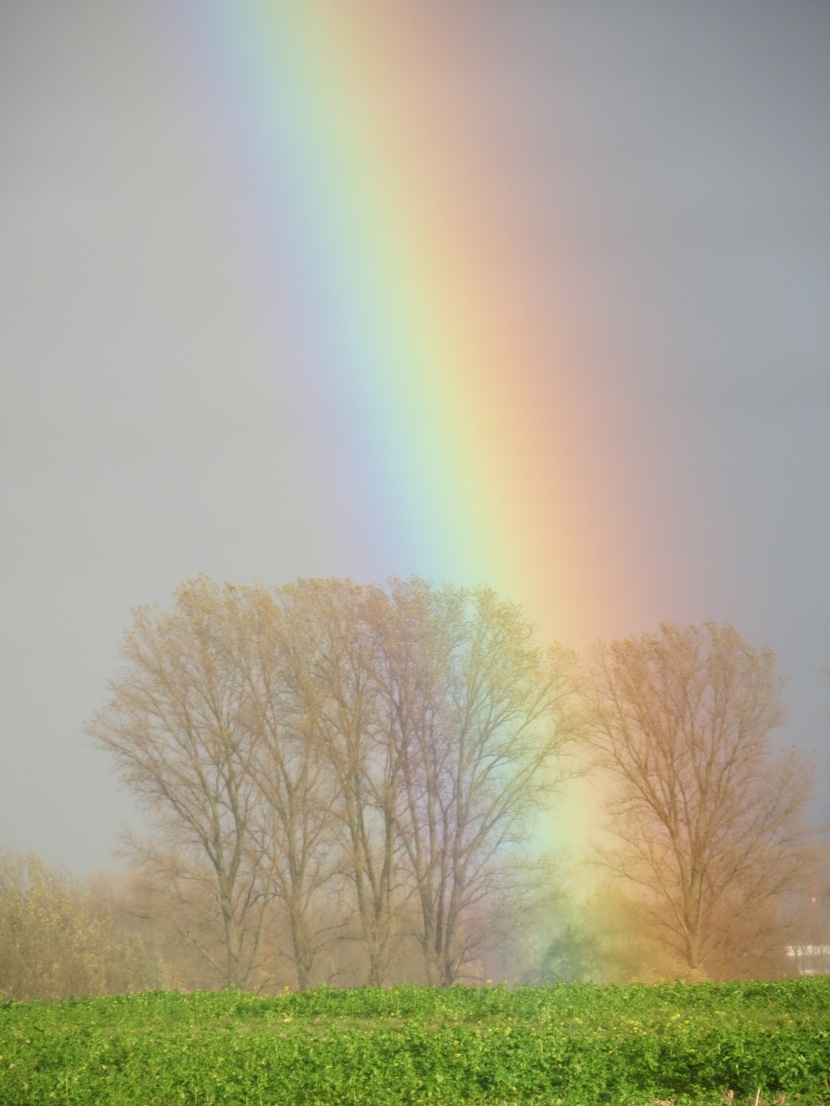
743 1044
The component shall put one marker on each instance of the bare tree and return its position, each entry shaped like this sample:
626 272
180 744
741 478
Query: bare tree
364 766
704 818
327 756
295 823
176 727
478 716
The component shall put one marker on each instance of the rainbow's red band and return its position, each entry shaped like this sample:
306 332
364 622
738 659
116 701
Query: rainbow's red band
382 264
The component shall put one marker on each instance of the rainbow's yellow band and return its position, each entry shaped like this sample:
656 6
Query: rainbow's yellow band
383 245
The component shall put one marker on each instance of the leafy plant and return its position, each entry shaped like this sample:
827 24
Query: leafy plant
577 1045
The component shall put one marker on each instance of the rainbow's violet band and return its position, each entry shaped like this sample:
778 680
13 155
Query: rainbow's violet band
375 240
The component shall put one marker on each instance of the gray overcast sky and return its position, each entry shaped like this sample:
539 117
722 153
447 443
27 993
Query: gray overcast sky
143 438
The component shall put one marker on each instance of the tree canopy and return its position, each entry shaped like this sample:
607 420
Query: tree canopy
363 762
705 818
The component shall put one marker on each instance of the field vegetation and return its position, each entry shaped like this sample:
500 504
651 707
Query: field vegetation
576 1045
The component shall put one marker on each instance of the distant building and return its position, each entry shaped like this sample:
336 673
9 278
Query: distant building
810 959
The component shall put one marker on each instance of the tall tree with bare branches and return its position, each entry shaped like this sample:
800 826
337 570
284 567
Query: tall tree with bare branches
364 766
177 727
704 818
480 719
295 824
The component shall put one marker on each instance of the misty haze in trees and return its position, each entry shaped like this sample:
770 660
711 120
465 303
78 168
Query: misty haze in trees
330 764
177 729
705 820
343 783
60 938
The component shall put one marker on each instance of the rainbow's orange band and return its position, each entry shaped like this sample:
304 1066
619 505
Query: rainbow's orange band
378 237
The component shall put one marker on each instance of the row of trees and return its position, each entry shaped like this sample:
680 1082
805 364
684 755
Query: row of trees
348 780
59 937
362 764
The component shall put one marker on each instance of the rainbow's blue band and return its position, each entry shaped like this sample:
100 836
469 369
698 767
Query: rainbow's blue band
375 240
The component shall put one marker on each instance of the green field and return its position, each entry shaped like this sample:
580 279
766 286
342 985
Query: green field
580 1045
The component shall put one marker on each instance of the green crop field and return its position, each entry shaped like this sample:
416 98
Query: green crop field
578 1045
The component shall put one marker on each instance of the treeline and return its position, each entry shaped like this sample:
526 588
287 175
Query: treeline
61 937
343 764
345 785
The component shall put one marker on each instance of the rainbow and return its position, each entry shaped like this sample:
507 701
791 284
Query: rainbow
387 273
